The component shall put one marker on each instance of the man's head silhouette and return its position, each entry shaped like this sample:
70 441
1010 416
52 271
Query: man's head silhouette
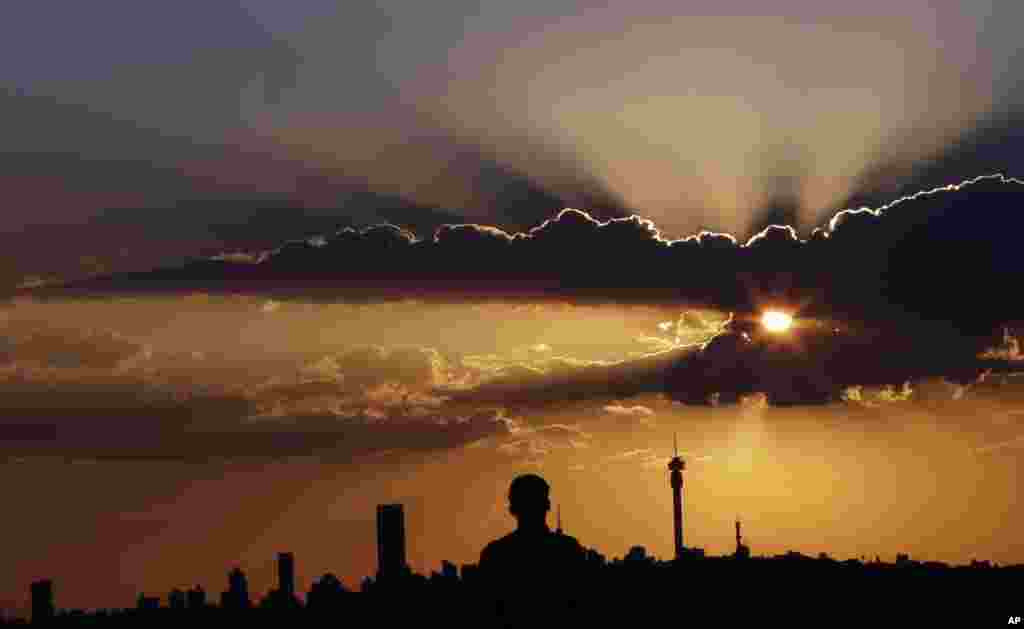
531 573
528 501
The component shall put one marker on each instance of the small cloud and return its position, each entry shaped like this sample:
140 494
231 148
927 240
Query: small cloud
375 413
1016 442
630 455
34 281
1007 349
534 443
645 458
93 265
241 257
754 401
517 372
391 394
654 344
874 396
326 368
643 413
523 448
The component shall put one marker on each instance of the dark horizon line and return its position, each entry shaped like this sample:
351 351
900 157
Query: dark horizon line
692 554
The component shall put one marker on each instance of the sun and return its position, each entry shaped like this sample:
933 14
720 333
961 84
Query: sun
776 321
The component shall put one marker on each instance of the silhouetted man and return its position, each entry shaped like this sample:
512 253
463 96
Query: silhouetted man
532 575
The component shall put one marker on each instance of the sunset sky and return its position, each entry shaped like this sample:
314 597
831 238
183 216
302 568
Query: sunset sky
268 265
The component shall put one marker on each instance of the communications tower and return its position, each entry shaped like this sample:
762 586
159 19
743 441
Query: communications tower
676 467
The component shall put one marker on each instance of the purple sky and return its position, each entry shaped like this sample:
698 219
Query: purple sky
697 114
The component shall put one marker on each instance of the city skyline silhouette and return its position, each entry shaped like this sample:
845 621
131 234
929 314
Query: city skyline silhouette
505 588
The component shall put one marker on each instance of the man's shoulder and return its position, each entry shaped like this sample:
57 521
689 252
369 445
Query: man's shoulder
498 546
514 543
568 541
569 545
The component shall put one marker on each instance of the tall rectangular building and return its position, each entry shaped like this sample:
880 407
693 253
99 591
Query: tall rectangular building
286 574
390 540
42 601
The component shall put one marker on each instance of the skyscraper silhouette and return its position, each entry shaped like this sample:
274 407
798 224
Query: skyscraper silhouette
42 601
286 574
676 466
390 541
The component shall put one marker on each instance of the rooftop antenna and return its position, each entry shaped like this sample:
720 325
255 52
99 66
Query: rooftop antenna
742 550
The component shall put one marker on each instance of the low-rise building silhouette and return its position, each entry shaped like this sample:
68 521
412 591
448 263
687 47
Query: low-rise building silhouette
326 593
237 594
176 599
637 554
196 598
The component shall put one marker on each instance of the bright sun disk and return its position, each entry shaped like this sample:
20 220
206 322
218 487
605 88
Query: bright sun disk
776 321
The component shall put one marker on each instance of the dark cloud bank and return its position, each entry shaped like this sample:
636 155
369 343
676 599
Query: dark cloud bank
949 254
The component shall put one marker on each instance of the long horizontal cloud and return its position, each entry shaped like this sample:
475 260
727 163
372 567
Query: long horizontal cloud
118 398
931 256
813 363
69 347
623 379
104 415
100 395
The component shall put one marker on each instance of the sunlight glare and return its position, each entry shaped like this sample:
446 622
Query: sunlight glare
776 321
